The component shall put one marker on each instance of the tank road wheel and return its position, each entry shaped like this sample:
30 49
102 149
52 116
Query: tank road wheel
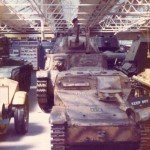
21 119
58 137
42 95
145 136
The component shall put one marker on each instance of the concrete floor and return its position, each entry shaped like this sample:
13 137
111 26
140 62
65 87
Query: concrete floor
38 136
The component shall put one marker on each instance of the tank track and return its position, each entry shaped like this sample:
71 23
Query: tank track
145 136
42 92
58 137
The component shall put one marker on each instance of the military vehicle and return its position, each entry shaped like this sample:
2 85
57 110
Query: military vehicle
16 69
133 64
65 56
94 108
67 47
14 84
97 108
13 103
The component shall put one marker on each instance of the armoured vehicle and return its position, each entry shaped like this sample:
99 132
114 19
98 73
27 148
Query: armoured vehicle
14 84
65 56
92 107
133 64
96 108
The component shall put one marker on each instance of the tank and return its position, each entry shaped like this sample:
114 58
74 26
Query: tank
65 56
133 64
14 84
97 109
92 106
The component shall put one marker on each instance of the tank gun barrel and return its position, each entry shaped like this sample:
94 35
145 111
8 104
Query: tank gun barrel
77 34
125 106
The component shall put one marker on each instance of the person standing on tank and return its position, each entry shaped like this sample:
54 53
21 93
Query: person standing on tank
74 30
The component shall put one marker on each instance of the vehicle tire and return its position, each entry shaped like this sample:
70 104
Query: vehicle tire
21 119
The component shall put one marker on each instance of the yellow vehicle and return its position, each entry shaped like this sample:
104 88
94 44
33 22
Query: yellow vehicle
13 103
14 84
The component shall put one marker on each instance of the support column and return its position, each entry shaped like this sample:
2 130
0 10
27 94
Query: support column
42 29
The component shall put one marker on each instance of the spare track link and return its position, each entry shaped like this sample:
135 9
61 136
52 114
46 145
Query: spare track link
42 91
145 136
58 137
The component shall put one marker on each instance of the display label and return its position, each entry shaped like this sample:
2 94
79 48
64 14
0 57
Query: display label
140 102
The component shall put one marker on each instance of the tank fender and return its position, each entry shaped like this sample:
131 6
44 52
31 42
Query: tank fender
58 115
19 98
